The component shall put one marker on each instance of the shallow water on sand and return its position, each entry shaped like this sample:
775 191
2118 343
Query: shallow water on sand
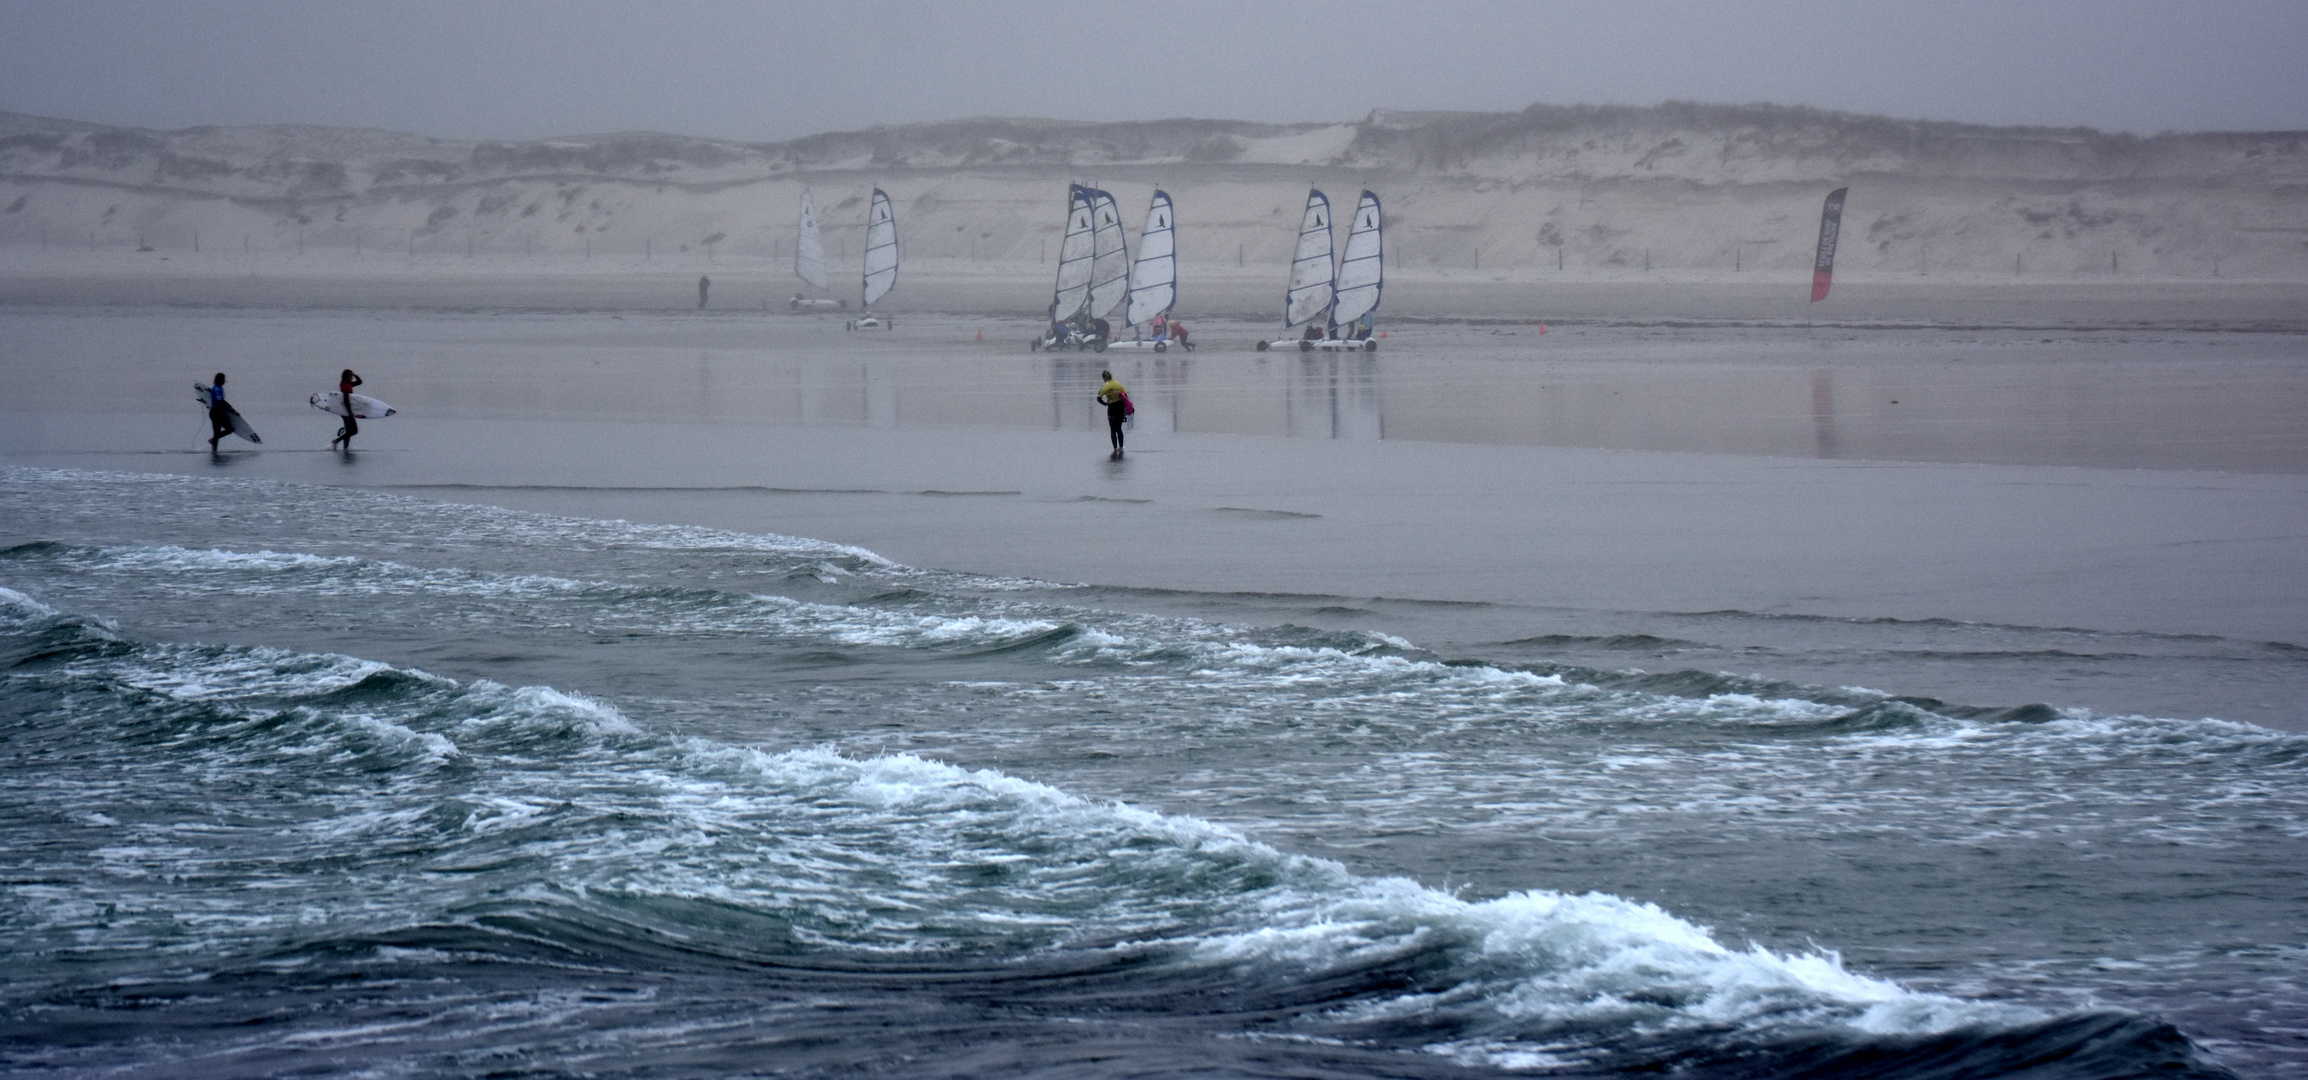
1951 545
1329 755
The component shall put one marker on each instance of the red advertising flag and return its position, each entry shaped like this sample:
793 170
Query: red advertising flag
1830 224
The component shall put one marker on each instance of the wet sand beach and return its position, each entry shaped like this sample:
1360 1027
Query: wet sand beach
1705 491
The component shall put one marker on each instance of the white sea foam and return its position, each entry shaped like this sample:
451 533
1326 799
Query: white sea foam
21 607
172 558
1542 958
433 745
543 703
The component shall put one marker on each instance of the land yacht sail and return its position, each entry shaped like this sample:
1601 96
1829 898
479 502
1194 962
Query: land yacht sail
1363 269
1312 274
881 249
1154 277
1073 292
1109 255
809 250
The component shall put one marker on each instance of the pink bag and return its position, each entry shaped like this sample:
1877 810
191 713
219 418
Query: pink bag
1128 407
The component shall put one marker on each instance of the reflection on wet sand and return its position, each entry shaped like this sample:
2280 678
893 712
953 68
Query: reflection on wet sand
1334 396
2160 399
1823 411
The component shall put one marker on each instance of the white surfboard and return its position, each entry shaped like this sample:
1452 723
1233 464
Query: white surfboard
364 406
240 424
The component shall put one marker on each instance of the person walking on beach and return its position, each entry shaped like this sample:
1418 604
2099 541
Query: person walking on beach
703 283
219 413
1117 402
345 384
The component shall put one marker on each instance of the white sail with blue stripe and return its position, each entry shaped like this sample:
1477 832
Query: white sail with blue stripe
1109 255
809 250
1362 270
1312 274
1073 293
1154 277
881 253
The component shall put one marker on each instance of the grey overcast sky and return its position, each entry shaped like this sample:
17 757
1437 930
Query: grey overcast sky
762 70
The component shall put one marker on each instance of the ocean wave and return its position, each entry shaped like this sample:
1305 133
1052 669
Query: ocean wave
808 772
558 797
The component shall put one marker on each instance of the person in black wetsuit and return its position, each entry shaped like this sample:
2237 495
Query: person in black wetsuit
345 384
219 413
1117 402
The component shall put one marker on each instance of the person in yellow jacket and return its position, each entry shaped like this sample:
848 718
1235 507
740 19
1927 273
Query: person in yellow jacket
1118 408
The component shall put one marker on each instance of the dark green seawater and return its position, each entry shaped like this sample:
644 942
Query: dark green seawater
346 783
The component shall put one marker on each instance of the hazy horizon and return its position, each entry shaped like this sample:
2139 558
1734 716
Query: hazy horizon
748 72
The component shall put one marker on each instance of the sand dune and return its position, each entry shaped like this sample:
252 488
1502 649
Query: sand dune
1545 194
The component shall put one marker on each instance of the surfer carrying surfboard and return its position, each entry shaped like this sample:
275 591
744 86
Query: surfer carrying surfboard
219 413
345 384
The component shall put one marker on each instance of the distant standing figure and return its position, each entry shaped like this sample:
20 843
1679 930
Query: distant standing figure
703 283
1117 402
219 413
345 384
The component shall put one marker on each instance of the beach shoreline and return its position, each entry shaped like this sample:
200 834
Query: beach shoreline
1593 482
